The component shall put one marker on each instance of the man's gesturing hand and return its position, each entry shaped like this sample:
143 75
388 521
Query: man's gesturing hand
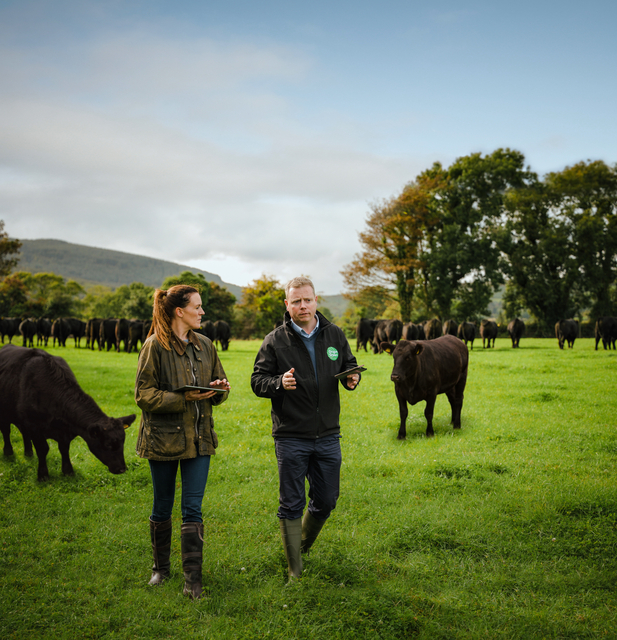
289 382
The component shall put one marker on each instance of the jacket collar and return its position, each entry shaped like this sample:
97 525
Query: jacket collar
323 322
179 346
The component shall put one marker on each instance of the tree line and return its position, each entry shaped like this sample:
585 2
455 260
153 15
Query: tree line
48 295
453 236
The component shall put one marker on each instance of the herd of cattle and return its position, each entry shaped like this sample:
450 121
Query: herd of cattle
104 333
378 332
40 395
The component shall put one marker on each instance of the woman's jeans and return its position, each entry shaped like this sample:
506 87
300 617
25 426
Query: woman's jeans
194 472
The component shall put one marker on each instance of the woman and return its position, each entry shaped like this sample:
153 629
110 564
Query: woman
176 424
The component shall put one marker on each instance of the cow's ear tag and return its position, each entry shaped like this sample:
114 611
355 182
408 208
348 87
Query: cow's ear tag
126 426
418 350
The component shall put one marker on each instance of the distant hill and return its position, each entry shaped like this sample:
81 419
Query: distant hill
90 265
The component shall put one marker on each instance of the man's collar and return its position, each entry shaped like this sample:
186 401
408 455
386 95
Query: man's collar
301 331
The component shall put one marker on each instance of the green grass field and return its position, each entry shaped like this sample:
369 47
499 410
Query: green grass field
505 529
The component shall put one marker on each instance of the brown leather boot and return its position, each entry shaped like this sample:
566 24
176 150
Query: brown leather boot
192 542
310 530
160 535
291 533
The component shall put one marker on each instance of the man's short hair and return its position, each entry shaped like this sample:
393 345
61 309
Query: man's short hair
296 283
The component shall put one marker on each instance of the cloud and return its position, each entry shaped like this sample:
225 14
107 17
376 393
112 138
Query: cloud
186 150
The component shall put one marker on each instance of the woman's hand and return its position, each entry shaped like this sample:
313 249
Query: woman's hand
194 394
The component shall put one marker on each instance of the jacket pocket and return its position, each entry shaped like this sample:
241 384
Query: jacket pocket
167 440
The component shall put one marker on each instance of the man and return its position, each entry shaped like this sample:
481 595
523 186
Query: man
295 368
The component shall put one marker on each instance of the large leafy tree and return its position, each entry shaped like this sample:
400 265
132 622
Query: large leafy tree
392 246
8 250
462 260
46 295
541 266
262 307
585 198
435 245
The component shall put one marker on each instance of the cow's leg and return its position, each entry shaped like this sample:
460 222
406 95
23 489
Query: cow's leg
455 397
42 449
67 467
5 429
428 414
27 444
403 412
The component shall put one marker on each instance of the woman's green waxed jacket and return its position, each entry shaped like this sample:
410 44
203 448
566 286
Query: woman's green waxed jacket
170 428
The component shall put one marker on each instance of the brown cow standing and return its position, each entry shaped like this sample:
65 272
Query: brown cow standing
423 370
41 397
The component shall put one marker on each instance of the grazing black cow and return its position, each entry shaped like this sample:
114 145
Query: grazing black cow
41 397
488 332
410 331
93 327
386 331
78 329
136 332
423 370
566 331
364 332
60 331
606 330
380 334
43 331
394 330
27 328
466 332
9 327
208 329
432 329
121 332
107 334
516 329
223 333
449 328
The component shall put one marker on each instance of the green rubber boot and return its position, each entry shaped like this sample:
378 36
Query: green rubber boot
310 530
291 533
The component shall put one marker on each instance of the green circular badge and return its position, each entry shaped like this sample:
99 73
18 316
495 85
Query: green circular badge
332 353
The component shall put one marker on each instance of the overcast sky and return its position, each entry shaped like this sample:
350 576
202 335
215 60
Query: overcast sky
250 137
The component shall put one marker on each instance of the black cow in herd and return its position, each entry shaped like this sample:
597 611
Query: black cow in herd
413 331
606 330
516 329
423 370
223 333
566 331
488 332
432 329
40 395
364 332
466 332
27 328
449 328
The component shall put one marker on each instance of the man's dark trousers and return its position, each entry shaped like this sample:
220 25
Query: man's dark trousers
317 460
